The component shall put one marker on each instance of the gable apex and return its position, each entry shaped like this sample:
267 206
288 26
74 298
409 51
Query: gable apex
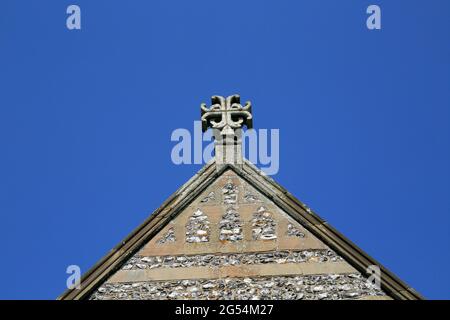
266 186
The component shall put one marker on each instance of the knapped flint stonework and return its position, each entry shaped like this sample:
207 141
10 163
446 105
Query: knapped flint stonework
211 260
231 232
230 226
230 193
168 237
311 287
264 226
220 222
294 232
250 195
209 198
197 229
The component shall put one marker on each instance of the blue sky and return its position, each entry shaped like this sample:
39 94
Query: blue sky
86 117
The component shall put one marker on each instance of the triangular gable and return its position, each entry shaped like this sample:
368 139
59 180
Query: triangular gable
272 225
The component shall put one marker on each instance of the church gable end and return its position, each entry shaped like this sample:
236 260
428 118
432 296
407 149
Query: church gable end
231 232
232 242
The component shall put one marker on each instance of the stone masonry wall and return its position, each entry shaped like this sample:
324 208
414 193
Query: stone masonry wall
313 287
234 243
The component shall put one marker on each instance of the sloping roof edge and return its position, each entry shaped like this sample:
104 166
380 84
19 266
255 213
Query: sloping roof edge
390 283
359 259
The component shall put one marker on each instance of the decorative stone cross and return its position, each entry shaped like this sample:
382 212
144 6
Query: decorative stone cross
226 116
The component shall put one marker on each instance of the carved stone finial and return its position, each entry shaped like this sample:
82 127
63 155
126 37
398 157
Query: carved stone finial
227 117
226 114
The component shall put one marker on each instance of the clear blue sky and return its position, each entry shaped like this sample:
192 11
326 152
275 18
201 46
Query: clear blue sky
86 118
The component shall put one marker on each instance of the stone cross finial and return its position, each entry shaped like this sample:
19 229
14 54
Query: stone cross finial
226 116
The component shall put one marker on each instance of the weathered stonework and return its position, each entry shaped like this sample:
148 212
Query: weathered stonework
211 260
313 287
264 226
294 232
168 237
234 243
250 195
197 229
230 193
231 232
211 197
230 226
227 117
